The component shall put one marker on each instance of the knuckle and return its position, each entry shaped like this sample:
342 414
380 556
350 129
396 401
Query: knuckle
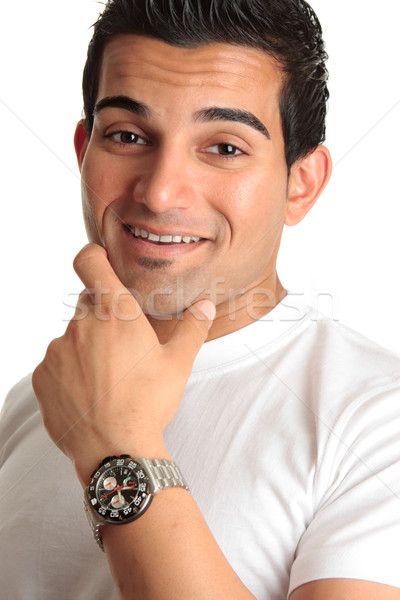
37 378
50 360
52 348
86 255
52 352
74 328
81 258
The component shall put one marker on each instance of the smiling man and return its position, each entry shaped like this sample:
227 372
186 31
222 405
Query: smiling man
277 438
181 171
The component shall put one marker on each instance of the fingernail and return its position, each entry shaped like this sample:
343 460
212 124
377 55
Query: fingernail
207 308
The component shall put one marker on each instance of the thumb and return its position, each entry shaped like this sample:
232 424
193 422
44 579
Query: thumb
191 331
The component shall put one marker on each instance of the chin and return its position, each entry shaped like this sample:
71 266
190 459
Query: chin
163 307
159 294
161 302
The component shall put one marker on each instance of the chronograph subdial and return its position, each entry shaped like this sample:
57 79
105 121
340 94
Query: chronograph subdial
110 483
118 488
118 501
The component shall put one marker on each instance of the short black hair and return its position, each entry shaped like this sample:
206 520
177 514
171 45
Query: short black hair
287 30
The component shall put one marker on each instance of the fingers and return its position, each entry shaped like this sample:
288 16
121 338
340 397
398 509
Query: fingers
191 331
103 287
93 267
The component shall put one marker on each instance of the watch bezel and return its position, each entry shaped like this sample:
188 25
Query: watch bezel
121 515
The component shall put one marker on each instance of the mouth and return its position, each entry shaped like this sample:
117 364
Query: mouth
162 239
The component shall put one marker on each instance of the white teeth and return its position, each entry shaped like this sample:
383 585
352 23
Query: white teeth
164 239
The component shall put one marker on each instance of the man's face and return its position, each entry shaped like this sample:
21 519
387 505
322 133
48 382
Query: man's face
196 157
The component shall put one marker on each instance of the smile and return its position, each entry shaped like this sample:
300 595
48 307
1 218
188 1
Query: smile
162 239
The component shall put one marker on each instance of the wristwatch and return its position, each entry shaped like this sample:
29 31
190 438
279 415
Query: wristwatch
122 488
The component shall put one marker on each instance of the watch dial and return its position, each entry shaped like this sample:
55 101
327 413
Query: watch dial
119 490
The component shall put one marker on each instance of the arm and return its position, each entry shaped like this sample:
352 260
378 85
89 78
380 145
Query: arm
107 387
173 553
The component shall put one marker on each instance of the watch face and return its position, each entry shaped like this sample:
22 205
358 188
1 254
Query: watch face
119 490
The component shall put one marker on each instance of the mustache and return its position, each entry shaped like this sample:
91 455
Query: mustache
175 221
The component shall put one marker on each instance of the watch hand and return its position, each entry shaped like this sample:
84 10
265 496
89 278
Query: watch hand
113 492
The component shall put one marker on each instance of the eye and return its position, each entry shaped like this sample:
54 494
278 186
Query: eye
126 138
225 150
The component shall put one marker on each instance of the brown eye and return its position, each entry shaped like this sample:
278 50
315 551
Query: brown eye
225 150
126 138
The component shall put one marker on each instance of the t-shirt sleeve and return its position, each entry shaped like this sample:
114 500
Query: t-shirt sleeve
355 531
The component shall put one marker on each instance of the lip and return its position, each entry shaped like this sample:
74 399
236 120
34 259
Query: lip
162 231
143 247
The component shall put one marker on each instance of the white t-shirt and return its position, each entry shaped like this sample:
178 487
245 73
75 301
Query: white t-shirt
289 437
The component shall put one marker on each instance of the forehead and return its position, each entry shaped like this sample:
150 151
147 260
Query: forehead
221 71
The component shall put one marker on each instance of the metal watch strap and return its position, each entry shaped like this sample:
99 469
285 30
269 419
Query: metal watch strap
162 473
95 525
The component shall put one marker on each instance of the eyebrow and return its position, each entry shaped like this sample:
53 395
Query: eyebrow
236 115
204 115
134 106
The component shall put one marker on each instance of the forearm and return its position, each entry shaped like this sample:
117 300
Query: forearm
170 553
108 387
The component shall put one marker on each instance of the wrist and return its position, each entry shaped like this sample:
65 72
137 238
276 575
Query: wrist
122 489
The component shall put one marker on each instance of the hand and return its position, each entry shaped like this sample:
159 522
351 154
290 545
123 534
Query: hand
107 386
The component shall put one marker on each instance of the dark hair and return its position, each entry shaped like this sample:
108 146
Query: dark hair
288 30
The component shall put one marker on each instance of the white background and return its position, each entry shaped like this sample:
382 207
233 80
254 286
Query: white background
343 257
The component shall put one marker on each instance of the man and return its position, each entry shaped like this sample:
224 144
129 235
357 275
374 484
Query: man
202 137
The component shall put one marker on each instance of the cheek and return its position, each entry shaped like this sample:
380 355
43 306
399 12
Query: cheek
254 203
100 183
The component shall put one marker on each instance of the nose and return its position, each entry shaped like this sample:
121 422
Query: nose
165 182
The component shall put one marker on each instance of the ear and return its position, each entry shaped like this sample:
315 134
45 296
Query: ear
80 142
308 178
